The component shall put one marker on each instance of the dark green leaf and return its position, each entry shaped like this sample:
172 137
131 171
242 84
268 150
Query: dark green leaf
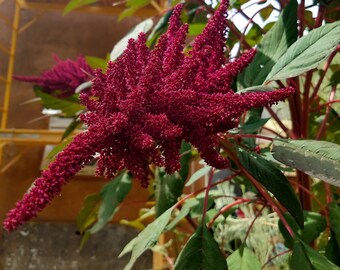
146 238
253 125
254 35
319 159
67 106
113 193
243 259
76 123
314 225
307 52
299 259
332 251
201 252
74 4
273 45
334 216
170 187
88 214
274 180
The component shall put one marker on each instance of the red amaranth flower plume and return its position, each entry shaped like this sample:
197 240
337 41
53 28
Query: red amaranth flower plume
147 103
63 79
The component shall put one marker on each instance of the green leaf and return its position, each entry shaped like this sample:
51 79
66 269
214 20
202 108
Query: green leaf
146 238
112 194
243 259
170 187
254 35
304 257
201 252
332 251
334 216
319 159
58 148
88 214
265 12
299 259
96 62
67 106
253 125
188 205
314 225
198 174
307 52
196 29
274 180
74 4
318 261
132 7
76 123
272 46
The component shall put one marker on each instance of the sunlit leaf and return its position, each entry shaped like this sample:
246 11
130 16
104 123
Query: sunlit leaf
243 259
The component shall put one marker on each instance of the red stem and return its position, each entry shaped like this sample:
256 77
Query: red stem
328 111
206 198
324 71
290 133
252 223
274 257
305 105
301 16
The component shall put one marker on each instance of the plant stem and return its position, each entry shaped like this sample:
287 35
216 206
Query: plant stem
328 111
274 257
261 190
324 71
305 105
290 133
226 208
301 16
252 223
255 136
304 181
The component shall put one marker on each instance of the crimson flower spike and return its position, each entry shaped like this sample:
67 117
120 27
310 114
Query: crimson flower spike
147 103
63 79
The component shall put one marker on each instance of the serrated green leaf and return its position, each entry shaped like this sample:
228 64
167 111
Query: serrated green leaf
319 159
146 238
307 52
74 4
243 259
201 252
272 46
68 106
112 194
274 180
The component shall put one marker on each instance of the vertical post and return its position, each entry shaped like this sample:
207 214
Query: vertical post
8 83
